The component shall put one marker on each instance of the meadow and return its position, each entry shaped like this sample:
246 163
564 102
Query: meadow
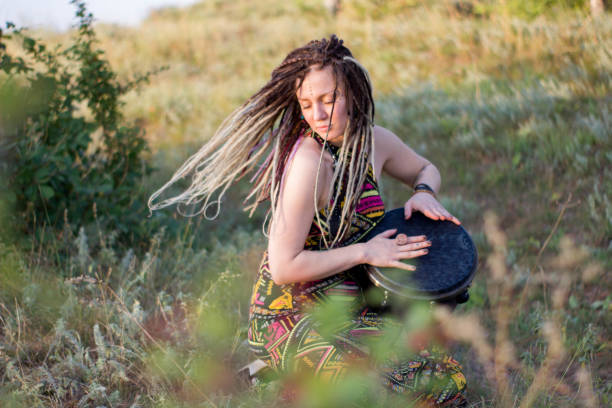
512 102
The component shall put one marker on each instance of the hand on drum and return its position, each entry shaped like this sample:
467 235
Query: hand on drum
388 252
429 206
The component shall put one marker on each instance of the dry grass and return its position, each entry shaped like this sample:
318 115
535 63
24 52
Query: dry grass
218 53
499 359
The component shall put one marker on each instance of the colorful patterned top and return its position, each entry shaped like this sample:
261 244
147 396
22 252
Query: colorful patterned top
270 300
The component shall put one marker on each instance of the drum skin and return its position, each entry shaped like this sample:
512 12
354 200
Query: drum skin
443 274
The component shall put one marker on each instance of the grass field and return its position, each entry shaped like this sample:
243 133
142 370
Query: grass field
515 111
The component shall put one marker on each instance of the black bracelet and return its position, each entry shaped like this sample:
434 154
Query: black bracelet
424 187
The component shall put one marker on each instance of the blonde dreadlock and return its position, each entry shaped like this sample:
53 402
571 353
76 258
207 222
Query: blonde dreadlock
262 132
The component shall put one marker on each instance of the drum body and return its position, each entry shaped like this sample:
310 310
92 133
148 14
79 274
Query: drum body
444 274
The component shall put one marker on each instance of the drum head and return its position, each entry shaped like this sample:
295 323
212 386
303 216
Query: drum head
448 268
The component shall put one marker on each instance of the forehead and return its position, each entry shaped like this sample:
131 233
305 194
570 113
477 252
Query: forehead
318 81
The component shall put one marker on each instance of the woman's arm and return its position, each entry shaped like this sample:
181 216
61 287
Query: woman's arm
289 261
401 162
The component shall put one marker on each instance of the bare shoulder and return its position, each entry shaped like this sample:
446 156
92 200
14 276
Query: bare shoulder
307 156
385 139
309 166
308 149
299 186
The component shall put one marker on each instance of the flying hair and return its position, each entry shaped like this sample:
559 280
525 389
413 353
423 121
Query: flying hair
259 136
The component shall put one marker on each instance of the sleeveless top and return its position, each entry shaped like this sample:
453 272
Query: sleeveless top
269 300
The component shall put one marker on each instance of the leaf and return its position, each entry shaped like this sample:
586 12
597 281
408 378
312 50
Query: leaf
46 192
42 174
573 302
28 43
11 198
30 192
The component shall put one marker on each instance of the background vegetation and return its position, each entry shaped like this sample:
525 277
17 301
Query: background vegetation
102 306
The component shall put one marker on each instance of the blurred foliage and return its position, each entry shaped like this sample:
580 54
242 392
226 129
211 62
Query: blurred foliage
69 151
534 8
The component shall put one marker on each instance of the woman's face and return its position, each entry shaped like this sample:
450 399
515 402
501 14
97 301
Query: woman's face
316 98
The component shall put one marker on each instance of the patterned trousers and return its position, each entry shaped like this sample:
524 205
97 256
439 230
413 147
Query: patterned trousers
316 344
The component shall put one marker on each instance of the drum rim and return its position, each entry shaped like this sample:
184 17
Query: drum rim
379 280
385 283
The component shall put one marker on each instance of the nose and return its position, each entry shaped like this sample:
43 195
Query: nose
319 112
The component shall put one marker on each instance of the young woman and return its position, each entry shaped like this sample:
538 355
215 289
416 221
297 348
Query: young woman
309 138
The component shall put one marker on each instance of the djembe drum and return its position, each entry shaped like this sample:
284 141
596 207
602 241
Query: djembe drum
443 275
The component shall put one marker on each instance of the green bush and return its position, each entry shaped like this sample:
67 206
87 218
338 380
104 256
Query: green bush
533 8
478 8
69 153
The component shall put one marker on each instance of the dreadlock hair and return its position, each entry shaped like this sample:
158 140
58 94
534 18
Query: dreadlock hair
261 134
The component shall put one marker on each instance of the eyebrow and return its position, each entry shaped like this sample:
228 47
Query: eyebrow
322 95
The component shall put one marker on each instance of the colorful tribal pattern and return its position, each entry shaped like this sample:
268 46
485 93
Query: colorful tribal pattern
370 208
284 333
436 379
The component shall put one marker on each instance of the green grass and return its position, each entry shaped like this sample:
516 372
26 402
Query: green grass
515 113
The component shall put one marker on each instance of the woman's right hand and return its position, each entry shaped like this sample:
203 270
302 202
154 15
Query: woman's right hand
388 252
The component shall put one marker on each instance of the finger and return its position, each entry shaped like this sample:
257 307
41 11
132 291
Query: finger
401 239
416 238
415 247
387 233
431 215
449 217
407 211
414 254
402 265
438 213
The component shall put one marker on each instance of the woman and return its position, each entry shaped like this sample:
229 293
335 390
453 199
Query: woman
314 119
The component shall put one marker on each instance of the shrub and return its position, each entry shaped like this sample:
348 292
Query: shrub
68 149
533 8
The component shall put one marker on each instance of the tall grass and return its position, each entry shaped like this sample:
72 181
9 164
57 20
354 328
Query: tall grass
225 51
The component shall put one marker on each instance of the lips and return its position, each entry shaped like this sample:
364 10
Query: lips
321 128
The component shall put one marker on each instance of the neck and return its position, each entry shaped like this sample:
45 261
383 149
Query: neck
337 141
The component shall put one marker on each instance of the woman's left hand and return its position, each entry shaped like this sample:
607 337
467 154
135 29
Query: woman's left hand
428 205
